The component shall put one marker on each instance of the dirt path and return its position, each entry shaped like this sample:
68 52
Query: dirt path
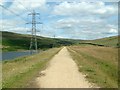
62 73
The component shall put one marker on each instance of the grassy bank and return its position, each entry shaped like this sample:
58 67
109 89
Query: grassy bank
99 64
20 72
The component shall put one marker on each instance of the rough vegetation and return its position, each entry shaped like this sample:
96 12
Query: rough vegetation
100 64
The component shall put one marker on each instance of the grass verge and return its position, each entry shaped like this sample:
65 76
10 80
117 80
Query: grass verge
100 64
18 73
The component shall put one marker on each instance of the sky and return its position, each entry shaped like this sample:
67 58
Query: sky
74 19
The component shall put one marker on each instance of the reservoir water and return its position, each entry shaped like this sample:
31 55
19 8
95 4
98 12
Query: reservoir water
14 54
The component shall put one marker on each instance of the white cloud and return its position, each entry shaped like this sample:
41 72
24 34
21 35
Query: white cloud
21 30
11 26
90 28
1 2
29 4
113 31
66 23
83 0
78 22
13 23
84 8
86 20
25 6
73 20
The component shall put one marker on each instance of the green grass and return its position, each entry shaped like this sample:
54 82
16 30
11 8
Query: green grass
19 73
108 41
14 42
100 64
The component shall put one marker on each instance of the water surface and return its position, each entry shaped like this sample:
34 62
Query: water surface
14 54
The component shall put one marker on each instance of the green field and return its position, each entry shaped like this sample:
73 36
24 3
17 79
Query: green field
99 64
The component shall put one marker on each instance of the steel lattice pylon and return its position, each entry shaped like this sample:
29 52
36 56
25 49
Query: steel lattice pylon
33 42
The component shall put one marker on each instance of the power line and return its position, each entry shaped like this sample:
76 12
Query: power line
23 6
13 13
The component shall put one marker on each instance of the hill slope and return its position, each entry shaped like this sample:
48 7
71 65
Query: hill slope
108 41
14 41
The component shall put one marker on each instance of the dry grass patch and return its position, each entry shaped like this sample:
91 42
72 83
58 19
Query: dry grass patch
99 63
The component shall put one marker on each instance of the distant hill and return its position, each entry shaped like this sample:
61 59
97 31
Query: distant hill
108 41
13 41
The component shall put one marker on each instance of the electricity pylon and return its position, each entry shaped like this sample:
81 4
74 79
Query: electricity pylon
33 42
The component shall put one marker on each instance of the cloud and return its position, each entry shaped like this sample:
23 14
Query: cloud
83 20
89 28
65 23
86 20
15 21
11 26
29 4
83 0
24 6
21 30
84 8
78 22
1 2
113 31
